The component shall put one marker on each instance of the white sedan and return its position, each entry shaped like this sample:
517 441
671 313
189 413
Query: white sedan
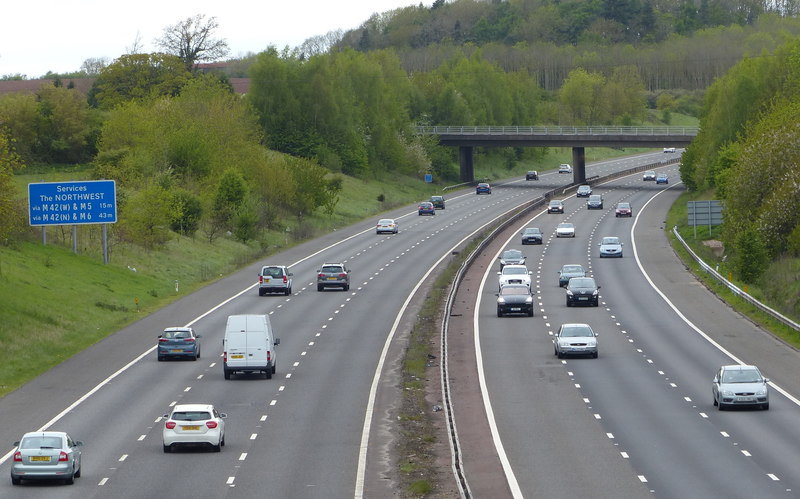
514 274
565 229
610 247
386 225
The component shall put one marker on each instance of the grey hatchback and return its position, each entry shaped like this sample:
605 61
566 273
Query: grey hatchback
46 455
333 275
178 342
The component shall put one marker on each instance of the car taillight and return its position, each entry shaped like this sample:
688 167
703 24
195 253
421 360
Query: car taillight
320 275
18 457
260 278
162 340
190 340
269 356
170 425
62 456
285 279
342 275
225 357
211 424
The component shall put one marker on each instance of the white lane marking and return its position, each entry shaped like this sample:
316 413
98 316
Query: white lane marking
253 436
141 437
243 456
724 434
281 388
200 376
773 477
230 480
746 453
610 435
273 402
704 415
187 389
103 481
685 319
263 418
123 457
642 479
624 455
296 364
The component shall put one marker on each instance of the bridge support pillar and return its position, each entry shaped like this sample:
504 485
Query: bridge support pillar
465 158
579 163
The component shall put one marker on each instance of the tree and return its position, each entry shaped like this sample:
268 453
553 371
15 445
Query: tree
9 162
192 41
137 77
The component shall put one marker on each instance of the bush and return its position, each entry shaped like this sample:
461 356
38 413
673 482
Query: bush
751 257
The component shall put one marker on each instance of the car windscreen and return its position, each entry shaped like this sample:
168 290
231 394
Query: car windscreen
514 290
330 269
610 240
191 415
513 271
575 331
40 442
572 269
512 254
581 282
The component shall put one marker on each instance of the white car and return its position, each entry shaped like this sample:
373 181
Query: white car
565 229
669 149
610 247
514 274
649 175
386 225
194 424
564 168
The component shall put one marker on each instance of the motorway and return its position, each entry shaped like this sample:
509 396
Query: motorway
322 427
639 420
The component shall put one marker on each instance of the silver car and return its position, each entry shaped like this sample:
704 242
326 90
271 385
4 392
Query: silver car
333 274
610 247
575 339
737 385
511 257
274 278
46 455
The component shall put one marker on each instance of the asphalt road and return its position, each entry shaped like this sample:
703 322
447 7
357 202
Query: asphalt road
321 427
639 420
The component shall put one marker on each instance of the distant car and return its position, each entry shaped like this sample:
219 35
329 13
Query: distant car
583 291
738 385
565 230
532 175
483 188
595 202
194 424
610 247
532 235
514 299
669 149
583 191
275 278
46 455
569 271
662 178
178 342
555 206
511 257
575 339
564 168
514 274
333 274
426 208
649 175
387 225
438 202
623 210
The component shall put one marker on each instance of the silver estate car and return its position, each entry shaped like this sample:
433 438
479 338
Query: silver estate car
46 455
333 274
575 339
737 385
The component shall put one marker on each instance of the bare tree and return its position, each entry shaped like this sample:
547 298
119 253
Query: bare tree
136 47
192 41
93 65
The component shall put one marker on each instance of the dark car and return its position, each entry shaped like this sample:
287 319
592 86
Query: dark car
178 342
623 210
532 235
595 202
438 202
426 208
583 291
532 175
514 299
511 257
555 206
483 188
662 178
584 191
569 271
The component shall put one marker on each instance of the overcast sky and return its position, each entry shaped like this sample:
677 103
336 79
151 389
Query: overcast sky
37 36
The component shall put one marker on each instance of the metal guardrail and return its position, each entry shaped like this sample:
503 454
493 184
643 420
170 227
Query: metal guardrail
558 130
735 289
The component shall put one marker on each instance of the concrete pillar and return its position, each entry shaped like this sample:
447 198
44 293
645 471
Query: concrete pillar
465 161
578 165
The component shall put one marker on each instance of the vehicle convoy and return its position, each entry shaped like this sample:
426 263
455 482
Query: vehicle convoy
193 424
274 279
249 346
46 455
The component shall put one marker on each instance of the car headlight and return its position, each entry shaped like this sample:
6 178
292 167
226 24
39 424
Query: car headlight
595 293
501 300
727 393
569 293
762 391
529 299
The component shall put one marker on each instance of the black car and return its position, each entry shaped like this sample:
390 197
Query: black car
583 291
511 257
584 191
555 206
532 235
514 299
595 202
438 202
532 175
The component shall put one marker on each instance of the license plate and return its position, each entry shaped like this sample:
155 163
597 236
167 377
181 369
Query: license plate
174 350
331 278
190 427
237 356
516 309
744 399
41 458
583 297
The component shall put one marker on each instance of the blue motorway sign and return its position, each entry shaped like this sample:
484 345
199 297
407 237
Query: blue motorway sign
72 203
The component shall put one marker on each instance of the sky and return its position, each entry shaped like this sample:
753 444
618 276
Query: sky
58 36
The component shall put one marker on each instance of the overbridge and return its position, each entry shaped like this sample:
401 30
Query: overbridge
466 138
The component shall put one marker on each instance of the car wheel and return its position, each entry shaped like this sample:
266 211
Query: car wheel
499 313
715 401
222 442
261 292
347 287
596 304
569 304
216 448
320 287
595 355
198 354
559 355
721 406
288 291
227 374
78 473
16 481
70 479
765 406
160 358
530 314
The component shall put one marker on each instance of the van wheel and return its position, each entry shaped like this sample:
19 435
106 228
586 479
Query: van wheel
268 373
274 368
227 374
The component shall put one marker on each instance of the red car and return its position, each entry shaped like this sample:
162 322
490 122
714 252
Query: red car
623 210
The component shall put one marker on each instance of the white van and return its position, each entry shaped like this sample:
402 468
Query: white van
249 345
